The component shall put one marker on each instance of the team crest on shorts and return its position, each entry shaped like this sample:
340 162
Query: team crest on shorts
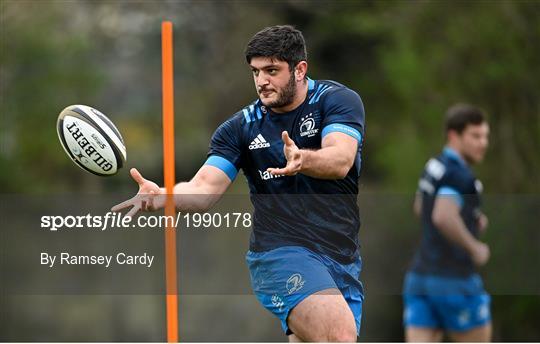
295 283
277 302
464 317
483 312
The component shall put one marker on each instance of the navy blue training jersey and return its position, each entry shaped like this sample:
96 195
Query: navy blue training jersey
447 175
321 215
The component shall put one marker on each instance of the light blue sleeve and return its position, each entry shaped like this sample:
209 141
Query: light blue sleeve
342 128
343 112
223 164
448 191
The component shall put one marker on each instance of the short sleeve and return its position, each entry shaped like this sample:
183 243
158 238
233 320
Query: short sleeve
452 185
451 193
225 150
344 112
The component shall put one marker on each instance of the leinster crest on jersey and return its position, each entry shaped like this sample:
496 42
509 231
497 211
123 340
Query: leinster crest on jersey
308 126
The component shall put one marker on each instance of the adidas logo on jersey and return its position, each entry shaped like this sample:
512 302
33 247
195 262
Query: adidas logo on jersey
258 142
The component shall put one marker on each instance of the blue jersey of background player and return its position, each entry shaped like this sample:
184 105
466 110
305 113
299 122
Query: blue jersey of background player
299 147
442 291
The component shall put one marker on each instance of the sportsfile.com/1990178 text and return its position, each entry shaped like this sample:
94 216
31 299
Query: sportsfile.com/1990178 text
112 220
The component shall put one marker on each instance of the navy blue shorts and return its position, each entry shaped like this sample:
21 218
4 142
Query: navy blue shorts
450 303
283 277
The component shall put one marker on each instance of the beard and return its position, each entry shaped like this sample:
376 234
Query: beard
285 96
473 159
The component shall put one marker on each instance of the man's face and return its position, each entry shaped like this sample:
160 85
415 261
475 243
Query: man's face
274 82
473 142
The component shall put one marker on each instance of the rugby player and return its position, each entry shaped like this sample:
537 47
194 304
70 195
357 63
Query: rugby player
442 290
301 137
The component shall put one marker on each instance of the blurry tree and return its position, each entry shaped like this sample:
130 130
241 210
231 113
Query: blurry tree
408 60
411 60
43 69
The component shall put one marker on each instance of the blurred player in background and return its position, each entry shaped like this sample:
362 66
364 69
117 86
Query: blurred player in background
304 253
442 290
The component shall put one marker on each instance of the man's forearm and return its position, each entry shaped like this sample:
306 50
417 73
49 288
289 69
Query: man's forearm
325 163
191 197
453 228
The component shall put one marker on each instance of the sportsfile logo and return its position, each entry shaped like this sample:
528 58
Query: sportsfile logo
258 142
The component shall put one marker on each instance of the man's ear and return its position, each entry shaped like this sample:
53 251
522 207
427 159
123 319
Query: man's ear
300 71
452 136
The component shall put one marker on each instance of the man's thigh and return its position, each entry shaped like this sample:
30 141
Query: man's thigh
419 314
290 278
423 334
478 334
284 277
421 322
323 316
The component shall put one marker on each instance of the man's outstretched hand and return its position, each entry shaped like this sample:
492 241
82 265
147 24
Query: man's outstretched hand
149 198
293 156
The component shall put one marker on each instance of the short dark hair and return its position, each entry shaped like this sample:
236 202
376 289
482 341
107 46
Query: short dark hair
282 42
460 115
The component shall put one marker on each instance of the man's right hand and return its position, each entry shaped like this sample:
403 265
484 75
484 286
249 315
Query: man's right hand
149 198
480 253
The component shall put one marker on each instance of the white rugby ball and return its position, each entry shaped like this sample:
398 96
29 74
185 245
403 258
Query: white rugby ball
91 140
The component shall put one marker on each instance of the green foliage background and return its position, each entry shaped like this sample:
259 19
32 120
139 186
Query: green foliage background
408 60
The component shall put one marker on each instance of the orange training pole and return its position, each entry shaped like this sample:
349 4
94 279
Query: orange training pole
169 177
